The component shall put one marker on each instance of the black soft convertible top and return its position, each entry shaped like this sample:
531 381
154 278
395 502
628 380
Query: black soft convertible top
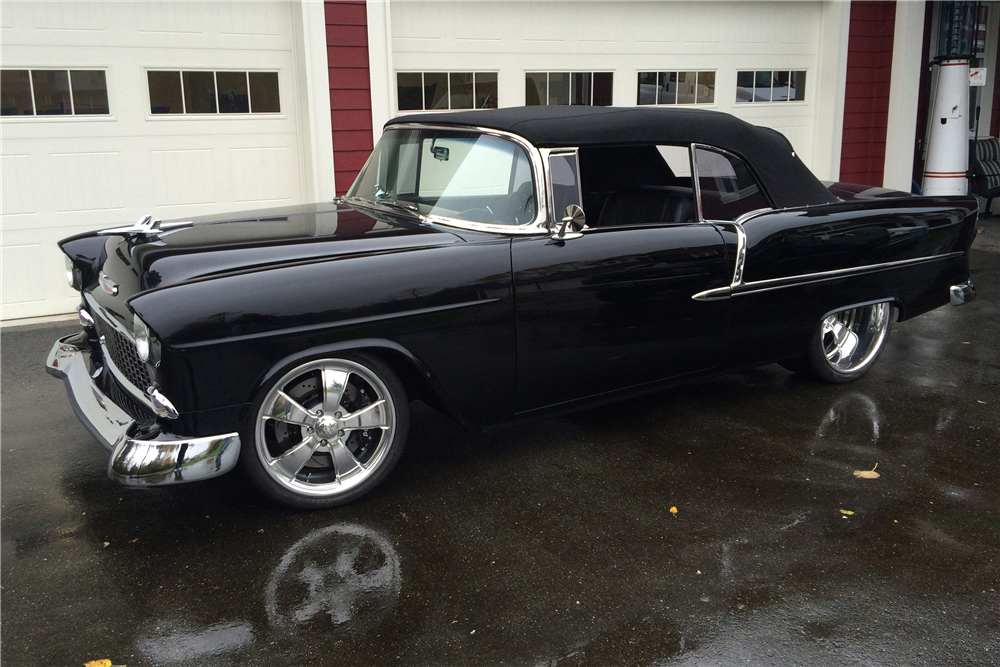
770 155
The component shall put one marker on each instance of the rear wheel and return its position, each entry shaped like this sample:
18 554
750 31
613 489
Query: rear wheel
327 431
847 343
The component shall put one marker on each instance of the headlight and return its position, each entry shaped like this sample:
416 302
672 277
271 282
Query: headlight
143 340
73 275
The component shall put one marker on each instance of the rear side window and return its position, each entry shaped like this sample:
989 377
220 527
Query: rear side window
727 187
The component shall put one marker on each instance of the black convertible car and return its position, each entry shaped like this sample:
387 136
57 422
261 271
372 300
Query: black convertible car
502 266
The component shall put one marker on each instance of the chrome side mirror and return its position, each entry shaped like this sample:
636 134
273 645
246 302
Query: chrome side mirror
574 220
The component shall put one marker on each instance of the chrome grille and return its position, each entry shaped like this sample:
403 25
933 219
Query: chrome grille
126 402
124 356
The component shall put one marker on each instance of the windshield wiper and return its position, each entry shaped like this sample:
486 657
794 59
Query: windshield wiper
391 205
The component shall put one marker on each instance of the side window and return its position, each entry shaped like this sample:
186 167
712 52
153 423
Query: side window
564 173
726 186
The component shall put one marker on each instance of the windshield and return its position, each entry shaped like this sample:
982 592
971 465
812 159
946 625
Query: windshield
463 175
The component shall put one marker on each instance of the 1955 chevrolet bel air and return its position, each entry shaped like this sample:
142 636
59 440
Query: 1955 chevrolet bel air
502 266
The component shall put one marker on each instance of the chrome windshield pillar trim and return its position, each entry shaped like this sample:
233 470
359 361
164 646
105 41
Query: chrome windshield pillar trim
142 453
539 225
962 293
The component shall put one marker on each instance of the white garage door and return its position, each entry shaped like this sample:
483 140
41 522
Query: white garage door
112 111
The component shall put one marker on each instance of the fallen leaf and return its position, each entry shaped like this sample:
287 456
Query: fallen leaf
983 402
867 474
673 511
107 543
133 541
98 663
847 512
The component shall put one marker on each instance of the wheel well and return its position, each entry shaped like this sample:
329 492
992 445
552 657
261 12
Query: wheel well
418 386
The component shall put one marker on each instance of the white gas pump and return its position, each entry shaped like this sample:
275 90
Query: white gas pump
947 162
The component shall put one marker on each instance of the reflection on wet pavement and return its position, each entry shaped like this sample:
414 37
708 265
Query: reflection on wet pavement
551 544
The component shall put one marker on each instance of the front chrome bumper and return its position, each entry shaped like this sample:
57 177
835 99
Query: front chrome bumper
142 453
962 293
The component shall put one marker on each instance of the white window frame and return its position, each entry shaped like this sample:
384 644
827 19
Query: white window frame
256 115
571 72
70 117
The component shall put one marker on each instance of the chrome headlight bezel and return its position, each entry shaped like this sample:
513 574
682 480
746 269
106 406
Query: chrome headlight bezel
146 345
73 275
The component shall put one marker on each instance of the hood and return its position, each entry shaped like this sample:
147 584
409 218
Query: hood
206 246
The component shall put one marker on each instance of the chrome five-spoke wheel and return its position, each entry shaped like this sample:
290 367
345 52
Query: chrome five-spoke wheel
327 431
846 343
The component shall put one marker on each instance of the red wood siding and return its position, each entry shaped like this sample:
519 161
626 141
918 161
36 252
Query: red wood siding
866 102
350 88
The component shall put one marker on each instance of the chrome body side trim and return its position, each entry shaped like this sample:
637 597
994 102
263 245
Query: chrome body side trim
142 453
962 293
538 226
808 278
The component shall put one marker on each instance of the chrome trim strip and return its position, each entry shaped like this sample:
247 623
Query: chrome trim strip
339 323
809 278
142 453
538 226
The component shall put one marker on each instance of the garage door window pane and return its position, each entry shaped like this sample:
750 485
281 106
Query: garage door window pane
264 97
647 88
90 92
762 87
797 86
233 97
687 87
199 92
15 93
744 86
486 90
461 90
51 92
535 88
409 91
603 83
580 87
165 92
779 87
706 88
558 88
435 90
668 88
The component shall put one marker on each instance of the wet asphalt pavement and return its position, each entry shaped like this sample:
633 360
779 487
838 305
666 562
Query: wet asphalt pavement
551 544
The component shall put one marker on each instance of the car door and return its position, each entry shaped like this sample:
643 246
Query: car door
611 309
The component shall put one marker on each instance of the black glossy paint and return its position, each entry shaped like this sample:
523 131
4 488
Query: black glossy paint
495 328
613 309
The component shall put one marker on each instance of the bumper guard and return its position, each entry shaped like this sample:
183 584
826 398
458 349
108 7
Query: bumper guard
142 453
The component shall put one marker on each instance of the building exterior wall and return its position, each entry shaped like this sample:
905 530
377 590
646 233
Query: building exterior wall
866 101
513 38
350 88
63 175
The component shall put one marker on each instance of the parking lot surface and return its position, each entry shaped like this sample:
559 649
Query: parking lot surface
553 543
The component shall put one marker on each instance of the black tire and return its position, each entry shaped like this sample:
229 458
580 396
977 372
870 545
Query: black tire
299 454
846 343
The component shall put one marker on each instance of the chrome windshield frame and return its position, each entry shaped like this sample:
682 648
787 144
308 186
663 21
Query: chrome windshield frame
538 226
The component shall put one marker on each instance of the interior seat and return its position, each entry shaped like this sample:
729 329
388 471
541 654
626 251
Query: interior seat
648 205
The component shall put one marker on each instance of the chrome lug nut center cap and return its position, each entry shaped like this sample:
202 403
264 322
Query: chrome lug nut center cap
327 428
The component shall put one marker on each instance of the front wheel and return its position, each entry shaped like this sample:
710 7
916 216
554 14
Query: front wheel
847 343
326 432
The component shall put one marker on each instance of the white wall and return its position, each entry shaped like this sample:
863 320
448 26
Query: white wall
65 175
626 38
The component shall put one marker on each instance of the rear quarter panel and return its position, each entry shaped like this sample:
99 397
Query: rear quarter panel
783 298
